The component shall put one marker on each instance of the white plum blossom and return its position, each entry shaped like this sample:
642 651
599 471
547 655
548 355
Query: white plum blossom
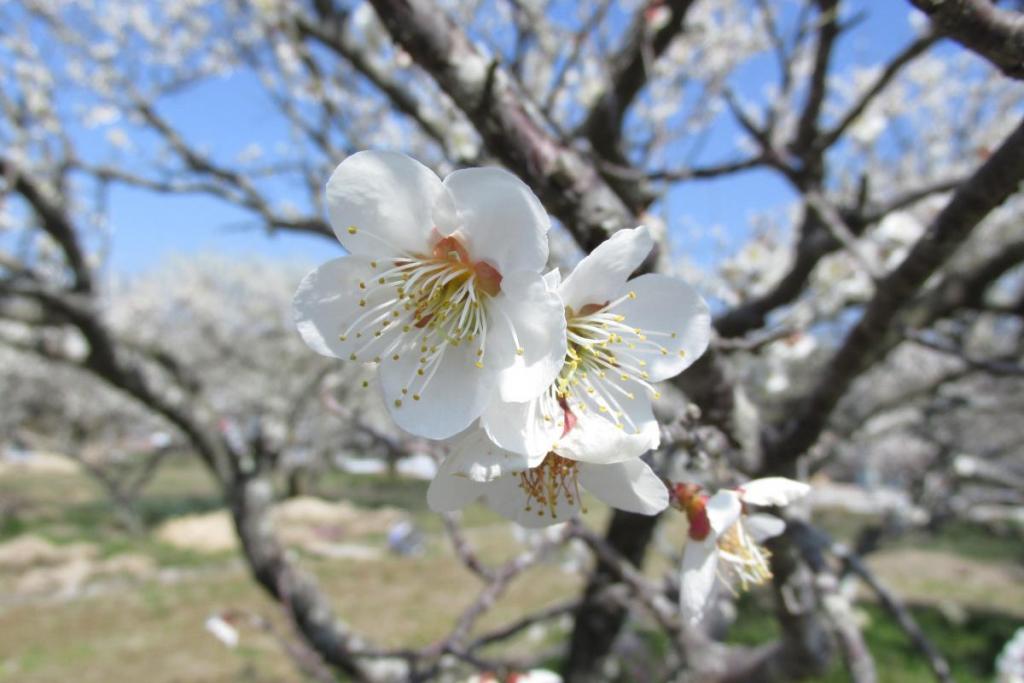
624 336
441 289
723 531
536 492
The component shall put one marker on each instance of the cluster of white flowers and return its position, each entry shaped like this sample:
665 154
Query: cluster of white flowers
543 386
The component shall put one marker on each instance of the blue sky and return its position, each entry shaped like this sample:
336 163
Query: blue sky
227 115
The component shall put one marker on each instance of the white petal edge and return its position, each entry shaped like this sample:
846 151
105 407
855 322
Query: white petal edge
665 306
327 300
631 486
723 509
773 491
521 427
537 317
385 203
698 578
553 279
474 456
449 492
602 274
763 527
501 219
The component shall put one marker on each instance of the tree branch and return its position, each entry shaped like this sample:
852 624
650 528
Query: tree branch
979 25
998 178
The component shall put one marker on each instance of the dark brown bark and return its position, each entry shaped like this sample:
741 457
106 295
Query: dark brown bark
994 33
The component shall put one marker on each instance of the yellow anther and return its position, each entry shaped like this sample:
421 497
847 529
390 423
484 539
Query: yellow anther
479 364
395 357
415 397
398 403
352 229
632 295
520 351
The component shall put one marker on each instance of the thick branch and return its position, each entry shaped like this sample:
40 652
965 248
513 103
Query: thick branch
52 221
979 25
513 130
629 73
998 178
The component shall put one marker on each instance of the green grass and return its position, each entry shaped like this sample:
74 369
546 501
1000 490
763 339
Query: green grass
970 646
126 633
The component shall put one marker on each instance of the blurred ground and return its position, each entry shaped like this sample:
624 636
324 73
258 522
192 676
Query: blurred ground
82 600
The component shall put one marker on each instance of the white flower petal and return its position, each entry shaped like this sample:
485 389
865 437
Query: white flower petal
530 428
601 276
506 497
476 457
449 492
596 439
698 579
763 527
456 394
327 301
553 279
666 306
773 491
392 201
525 336
502 220
631 486
724 509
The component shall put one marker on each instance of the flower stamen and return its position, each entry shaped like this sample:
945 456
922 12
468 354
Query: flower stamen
555 479
430 302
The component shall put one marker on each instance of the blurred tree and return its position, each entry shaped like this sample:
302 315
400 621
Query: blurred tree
869 316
